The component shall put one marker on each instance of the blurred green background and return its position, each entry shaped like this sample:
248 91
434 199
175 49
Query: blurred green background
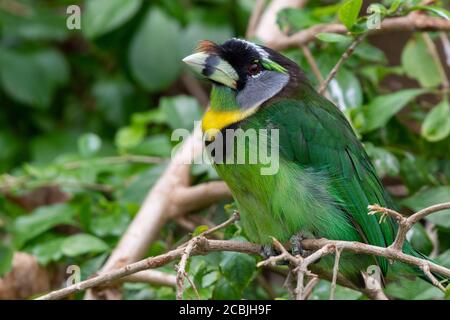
85 113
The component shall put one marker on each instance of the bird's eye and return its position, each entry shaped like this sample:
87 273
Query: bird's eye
254 69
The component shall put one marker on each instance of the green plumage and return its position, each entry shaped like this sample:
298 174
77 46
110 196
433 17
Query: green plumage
325 180
323 187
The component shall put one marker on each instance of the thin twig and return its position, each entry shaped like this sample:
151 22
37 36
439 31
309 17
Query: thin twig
153 277
257 11
315 69
195 88
426 269
129 158
405 224
446 46
203 247
374 289
437 60
342 59
181 272
335 272
192 286
363 248
310 286
312 63
300 283
234 217
408 23
288 283
16 8
189 247
432 233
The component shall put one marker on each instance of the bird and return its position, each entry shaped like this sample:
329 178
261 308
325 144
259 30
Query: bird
324 181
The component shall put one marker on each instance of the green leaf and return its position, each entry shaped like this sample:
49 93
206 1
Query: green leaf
129 137
386 164
6 256
46 147
428 197
9 145
223 290
346 90
80 244
210 278
322 292
348 12
154 55
199 230
102 16
155 145
441 12
292 20
47 251
113 96
419 64
416 289
419 239
111 220
381 109
395 5
333 37
437 122
444 259
89 144
181 111
42 219
92 265
151 116
138 188
33 78
44 24
371 53
238 268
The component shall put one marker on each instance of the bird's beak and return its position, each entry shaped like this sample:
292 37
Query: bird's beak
213 67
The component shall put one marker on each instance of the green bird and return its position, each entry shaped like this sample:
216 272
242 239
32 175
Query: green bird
324 180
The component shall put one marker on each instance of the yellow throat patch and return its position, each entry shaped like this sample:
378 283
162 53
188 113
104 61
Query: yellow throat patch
214 121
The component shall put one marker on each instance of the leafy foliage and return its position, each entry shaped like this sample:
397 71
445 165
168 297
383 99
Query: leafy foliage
80 106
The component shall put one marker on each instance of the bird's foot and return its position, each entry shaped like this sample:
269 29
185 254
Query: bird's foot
268 251
296 245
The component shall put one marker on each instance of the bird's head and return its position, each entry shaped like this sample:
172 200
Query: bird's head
245 76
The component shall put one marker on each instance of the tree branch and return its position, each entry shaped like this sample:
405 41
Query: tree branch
407 23
203 247
321 247
335 272
405 224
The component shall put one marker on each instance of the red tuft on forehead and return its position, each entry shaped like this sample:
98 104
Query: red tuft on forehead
207 47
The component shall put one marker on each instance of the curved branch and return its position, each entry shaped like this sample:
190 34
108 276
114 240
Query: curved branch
408 23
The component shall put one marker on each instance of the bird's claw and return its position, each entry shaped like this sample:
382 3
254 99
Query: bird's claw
268 251
296 245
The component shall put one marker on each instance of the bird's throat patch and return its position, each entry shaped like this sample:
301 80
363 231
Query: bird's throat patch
214 121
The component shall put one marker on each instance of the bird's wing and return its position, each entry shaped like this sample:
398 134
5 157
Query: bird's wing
315 134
